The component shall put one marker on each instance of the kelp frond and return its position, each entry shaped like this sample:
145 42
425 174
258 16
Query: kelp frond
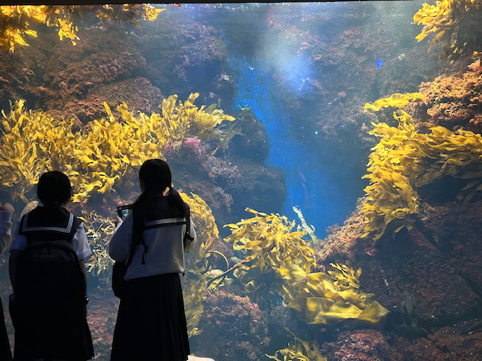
455 23
395 100
280 260
405 160
299 350
15 20
101 159
271 240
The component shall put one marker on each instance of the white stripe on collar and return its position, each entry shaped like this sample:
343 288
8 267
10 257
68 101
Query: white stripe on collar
165 221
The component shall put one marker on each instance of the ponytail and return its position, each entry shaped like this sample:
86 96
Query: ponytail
176 202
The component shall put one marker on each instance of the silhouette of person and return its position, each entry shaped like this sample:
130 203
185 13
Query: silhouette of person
6 212
151 321
48 306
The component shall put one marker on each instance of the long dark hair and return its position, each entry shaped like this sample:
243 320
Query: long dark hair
156 178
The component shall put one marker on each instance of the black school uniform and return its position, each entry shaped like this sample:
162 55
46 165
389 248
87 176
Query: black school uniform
151 321
46 333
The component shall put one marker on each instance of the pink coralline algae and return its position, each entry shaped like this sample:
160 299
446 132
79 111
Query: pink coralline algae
233 328
459 342
455 100
195 153
360 345
195 146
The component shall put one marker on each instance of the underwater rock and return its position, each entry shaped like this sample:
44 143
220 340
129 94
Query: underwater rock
228 184
360 345
444 250
429 279
454 100
193 56
138 94
233 328
452 23
259 185
339 244
253 143
447 343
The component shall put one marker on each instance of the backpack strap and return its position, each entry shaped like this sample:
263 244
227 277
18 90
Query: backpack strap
172 222
164 222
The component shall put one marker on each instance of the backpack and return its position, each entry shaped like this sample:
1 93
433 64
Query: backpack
49 282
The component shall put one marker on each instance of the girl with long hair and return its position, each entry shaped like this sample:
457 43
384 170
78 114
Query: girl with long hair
151 321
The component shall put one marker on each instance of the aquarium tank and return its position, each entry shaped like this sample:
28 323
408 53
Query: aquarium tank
330 152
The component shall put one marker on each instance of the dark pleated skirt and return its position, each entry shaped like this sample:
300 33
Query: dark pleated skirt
151 323
40 338
5 352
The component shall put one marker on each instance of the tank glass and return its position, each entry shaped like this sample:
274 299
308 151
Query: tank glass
330 152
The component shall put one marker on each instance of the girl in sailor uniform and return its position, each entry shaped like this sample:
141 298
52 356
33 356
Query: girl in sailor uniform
151 321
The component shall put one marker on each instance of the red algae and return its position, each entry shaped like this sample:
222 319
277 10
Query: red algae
233 328
455 100
360 345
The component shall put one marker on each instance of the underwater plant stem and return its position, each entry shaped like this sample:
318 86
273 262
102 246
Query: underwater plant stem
225 274
222 255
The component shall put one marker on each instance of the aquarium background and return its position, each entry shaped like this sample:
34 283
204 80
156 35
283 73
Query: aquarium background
274 111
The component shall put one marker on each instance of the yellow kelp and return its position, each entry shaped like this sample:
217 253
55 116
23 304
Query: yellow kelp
193 301
392 198
329 298
99 231
197 262
395 100
15 20
206 228
32 143
194 122
108 152
227 131
12 34
300 351
279 260
309 229
456 23
270 241
345 276
101 159
405 160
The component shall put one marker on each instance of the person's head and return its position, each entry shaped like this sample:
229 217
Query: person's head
155 178
54 189
155 175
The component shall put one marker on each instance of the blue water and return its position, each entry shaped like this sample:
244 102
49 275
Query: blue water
320 198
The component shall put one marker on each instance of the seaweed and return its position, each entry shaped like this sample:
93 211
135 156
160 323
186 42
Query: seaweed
101 157
395 100
279 259
405 160
455 23
300 350
15 20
